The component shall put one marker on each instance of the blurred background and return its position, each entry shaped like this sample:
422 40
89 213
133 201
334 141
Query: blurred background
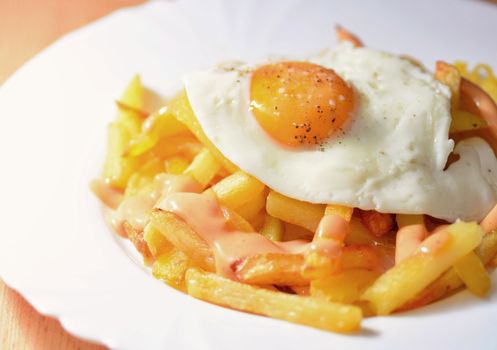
28 26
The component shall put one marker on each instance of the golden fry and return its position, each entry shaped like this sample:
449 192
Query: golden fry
474 275
379 224
303 310
360 235
345 287
450 280
409 219
183 238
404 281
171 267
203 167
272 228
176 165
341 210
293 232
160 125
449 75
156 242
237 189
136 237
294 211
118 169
344 35
235 221
181 109
271 268
359 257
463 121
254 206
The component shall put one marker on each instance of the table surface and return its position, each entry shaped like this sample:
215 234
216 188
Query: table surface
26 27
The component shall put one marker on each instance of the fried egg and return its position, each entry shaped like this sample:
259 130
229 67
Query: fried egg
351 126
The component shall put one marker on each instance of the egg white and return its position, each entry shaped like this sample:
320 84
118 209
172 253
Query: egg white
390 157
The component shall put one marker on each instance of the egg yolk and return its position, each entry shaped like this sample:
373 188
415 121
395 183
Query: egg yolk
300 103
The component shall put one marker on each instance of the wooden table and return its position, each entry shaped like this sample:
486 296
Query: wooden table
26 27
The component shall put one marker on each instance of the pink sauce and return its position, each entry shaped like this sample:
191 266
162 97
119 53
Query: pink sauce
136 209
434 243
204 215
489 223
110 196
409 238
330 235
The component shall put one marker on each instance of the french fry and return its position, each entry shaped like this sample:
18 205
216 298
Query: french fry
136 237
444 285
160 125
474 275
378 224
235 221
180 235
118 169
184 145
144 176
450 280
489 222
323 256
341 210
156 242
345 287
272 228
110 196
134 95
360 235
475 98
171 267
176 165
487 250
203 167
294 211
303 310
237 189
404 281
254 206
301 290
293 232
351 257
181 109
176 231
449 75
129 106
124 106
409 219
285 269
318 265
344 35
408 240
271 268
463 121
359 257
257 221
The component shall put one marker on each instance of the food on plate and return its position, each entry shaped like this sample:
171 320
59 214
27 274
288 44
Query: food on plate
317 190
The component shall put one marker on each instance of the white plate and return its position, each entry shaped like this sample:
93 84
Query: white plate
54 246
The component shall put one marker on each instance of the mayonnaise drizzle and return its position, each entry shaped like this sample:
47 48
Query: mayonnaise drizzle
204 215
135 209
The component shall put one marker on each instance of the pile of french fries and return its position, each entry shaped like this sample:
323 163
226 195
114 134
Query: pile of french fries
376 273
